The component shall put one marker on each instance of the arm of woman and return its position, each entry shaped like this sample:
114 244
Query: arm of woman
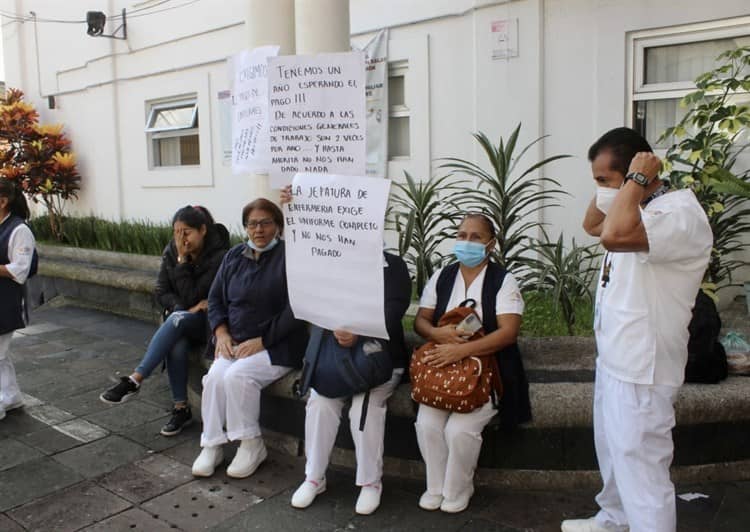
447 334
165 293
508 326
218 313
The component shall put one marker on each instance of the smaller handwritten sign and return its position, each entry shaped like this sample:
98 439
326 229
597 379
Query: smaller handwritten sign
316 115
334 251
250 109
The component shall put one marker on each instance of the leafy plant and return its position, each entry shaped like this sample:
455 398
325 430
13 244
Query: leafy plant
422 212
135 236
509 197
37 157
541 316
708 143
566 275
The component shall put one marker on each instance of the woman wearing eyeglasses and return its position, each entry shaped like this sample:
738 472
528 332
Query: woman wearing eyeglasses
257 340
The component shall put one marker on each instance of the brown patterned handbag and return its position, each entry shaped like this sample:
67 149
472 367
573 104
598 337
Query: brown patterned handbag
462 386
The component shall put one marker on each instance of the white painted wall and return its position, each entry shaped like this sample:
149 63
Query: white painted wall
569 82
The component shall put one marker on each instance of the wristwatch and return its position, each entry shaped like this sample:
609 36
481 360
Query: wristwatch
639 178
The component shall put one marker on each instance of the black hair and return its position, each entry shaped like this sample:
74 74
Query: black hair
194 216
623 143
484 219
17 201
263 204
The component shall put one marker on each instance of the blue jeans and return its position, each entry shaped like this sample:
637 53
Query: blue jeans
172 342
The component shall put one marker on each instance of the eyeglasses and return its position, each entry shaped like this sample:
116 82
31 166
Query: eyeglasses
252 224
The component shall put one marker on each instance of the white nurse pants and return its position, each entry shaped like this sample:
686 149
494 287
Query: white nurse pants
322 420
633 437
231 397
9 392
450 443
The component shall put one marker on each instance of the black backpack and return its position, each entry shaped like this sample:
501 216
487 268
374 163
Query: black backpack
707 360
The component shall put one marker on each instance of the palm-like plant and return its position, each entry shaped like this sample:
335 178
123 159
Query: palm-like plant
510 198
567 275
422 213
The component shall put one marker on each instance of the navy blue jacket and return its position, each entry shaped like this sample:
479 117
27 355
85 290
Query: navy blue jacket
251 298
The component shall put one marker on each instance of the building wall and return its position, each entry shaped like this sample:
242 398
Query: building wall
569 82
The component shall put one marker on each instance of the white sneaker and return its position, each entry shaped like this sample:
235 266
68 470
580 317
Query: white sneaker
457 505
306 493
250 454
369 499
205 464
12 405
589 525
430 502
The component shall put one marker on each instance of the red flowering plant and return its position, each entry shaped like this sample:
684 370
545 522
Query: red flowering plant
37 157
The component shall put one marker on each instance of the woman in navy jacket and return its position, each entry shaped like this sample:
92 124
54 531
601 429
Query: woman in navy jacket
257 341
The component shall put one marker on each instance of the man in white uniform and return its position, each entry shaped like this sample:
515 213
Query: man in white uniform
658 243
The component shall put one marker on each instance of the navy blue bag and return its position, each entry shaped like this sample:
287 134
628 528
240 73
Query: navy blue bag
336 371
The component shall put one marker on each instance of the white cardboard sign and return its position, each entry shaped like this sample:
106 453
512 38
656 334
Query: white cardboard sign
250 110
316 115
334 251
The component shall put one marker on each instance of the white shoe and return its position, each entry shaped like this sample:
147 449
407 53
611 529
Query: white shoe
250 454
369 499
306 493
430 502
12 405
589 525
205 464
459 504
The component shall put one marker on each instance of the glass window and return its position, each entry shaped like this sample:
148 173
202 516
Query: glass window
398 137
685 62
172 129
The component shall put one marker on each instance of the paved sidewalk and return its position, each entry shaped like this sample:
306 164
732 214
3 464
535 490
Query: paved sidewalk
70 462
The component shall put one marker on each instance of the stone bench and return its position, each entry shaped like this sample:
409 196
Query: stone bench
712 437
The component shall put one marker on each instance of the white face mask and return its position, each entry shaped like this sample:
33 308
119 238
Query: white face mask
605 196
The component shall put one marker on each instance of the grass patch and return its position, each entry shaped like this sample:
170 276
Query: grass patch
139 236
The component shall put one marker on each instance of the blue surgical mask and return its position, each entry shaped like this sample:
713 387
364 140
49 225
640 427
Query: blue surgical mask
470 253
268 247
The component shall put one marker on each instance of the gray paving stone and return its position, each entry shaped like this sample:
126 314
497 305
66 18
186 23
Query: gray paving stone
49 414
126 416
277 474
487 526
148 435
188 451
166 468
70 509
733 513
32 480
13 452
135 484
197 505
261 516
39 350
133 519
40 328
699 514
82 430
102 456
539 510
49 440
85 403
19 422
8 525
67 385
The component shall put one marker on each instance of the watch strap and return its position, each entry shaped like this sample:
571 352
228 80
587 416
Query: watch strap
638 177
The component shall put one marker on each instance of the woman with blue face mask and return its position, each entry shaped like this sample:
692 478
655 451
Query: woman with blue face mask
449 441
257 340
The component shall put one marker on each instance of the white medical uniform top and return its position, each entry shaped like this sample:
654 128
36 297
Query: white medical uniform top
642 314
20 252
507 301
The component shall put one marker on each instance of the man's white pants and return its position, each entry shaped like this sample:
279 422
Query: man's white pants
231 397
9 392
633 437
322 419
450 443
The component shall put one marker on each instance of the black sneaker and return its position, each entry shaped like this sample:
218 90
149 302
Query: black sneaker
181 418
120 392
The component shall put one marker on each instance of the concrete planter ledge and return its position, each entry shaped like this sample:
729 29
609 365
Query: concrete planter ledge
712 437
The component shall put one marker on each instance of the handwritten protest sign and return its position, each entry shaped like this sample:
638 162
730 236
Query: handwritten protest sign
316 115
250 150
334 251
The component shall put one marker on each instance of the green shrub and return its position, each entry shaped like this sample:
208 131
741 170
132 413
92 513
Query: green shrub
542 317
138 236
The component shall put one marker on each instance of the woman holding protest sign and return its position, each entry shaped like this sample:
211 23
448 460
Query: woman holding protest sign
257 340
378 366
450 438
188 266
